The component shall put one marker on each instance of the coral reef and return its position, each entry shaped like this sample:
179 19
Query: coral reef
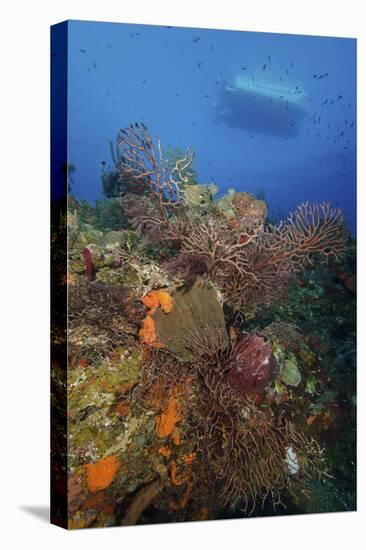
207 354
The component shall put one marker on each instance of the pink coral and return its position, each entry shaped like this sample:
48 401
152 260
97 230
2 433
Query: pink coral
249 365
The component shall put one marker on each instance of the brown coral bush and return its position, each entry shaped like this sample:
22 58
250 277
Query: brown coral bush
246 448
250 265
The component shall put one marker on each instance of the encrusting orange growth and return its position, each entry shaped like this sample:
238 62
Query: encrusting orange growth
165 451
175 479
166 421
101 474
147 332
175 436
189 458
157 298
153 300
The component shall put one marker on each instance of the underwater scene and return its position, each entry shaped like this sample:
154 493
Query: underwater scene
210 227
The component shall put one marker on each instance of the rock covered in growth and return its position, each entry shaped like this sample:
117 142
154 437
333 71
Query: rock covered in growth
289 372
195 318
250 364
200 195
243 210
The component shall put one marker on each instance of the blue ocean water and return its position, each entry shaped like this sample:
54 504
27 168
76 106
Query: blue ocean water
171 79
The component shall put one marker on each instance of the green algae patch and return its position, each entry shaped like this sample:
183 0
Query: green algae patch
94 393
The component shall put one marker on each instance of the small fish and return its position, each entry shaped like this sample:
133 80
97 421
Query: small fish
291 64
54 54
144 82
269 59
103 163
94 65
339 97
315 76
81 50
244 68
196 38
206 95
109 46
199 64
264 67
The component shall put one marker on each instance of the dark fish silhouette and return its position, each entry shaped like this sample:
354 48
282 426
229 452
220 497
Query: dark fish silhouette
244 68
199 64
81 50
264 67
196 38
